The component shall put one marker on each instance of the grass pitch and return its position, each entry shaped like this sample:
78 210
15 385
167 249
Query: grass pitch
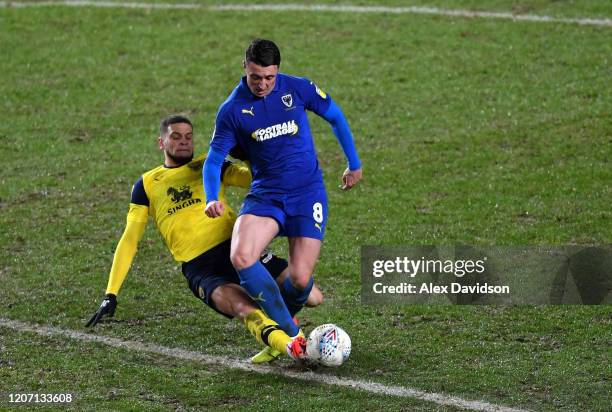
471 131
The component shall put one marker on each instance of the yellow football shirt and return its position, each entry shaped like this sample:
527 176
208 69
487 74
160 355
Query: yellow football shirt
174 198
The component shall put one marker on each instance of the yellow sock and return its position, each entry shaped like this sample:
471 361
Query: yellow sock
266 331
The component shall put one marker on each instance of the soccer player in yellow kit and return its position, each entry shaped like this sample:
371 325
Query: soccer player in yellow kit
172 194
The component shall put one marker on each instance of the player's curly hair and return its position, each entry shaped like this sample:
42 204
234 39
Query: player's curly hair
263 53
173 119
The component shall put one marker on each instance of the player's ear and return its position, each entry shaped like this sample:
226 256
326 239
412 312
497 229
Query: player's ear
244 64
160 143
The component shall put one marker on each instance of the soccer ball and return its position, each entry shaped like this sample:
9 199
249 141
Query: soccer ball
328 345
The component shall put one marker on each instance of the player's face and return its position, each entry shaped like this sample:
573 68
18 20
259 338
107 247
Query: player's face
177 144
260 79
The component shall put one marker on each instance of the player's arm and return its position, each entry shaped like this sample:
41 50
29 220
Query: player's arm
340 127
319 102
223 140
211 178
124 253
236 175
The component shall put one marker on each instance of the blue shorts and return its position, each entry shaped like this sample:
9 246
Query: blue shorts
213 268
302 214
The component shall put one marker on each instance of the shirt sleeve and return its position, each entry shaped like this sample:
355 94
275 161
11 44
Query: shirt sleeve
211 174
341 129
224 135
124 255
315 99
139 196
223 140
138 213
235 175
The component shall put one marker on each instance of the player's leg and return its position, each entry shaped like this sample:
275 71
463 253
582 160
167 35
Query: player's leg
305 228
315 298
279 269
213 280
303 255
232 300
250 237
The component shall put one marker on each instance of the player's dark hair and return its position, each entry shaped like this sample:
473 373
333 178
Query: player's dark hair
263 53
173 119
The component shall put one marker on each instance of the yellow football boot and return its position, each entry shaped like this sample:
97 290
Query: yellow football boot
266 355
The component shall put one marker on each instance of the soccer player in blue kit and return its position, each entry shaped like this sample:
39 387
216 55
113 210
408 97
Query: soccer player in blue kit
265 118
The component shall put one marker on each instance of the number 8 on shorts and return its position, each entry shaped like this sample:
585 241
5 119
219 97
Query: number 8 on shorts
317 212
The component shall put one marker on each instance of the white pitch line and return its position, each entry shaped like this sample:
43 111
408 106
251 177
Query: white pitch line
318 8
324 379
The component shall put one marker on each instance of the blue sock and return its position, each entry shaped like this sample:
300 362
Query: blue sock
295 298
265 292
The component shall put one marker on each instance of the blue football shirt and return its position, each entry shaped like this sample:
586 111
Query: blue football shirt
274 133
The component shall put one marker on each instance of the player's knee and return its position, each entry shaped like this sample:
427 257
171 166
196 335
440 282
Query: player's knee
242 260
315 298
300 282
300 274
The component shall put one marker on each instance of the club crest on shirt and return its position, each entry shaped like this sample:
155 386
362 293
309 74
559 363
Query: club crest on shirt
287 100
182 198
183 193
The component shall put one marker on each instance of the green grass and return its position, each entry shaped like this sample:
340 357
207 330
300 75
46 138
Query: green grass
557 8
481 132
103 379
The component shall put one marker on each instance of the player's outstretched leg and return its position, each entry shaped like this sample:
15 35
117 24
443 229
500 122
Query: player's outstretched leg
268 332
232 300
266 355
269 354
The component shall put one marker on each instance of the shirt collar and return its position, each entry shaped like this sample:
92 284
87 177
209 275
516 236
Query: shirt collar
277 84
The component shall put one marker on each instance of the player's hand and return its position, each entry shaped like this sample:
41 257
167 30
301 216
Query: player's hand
107 308
350 178
214 208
